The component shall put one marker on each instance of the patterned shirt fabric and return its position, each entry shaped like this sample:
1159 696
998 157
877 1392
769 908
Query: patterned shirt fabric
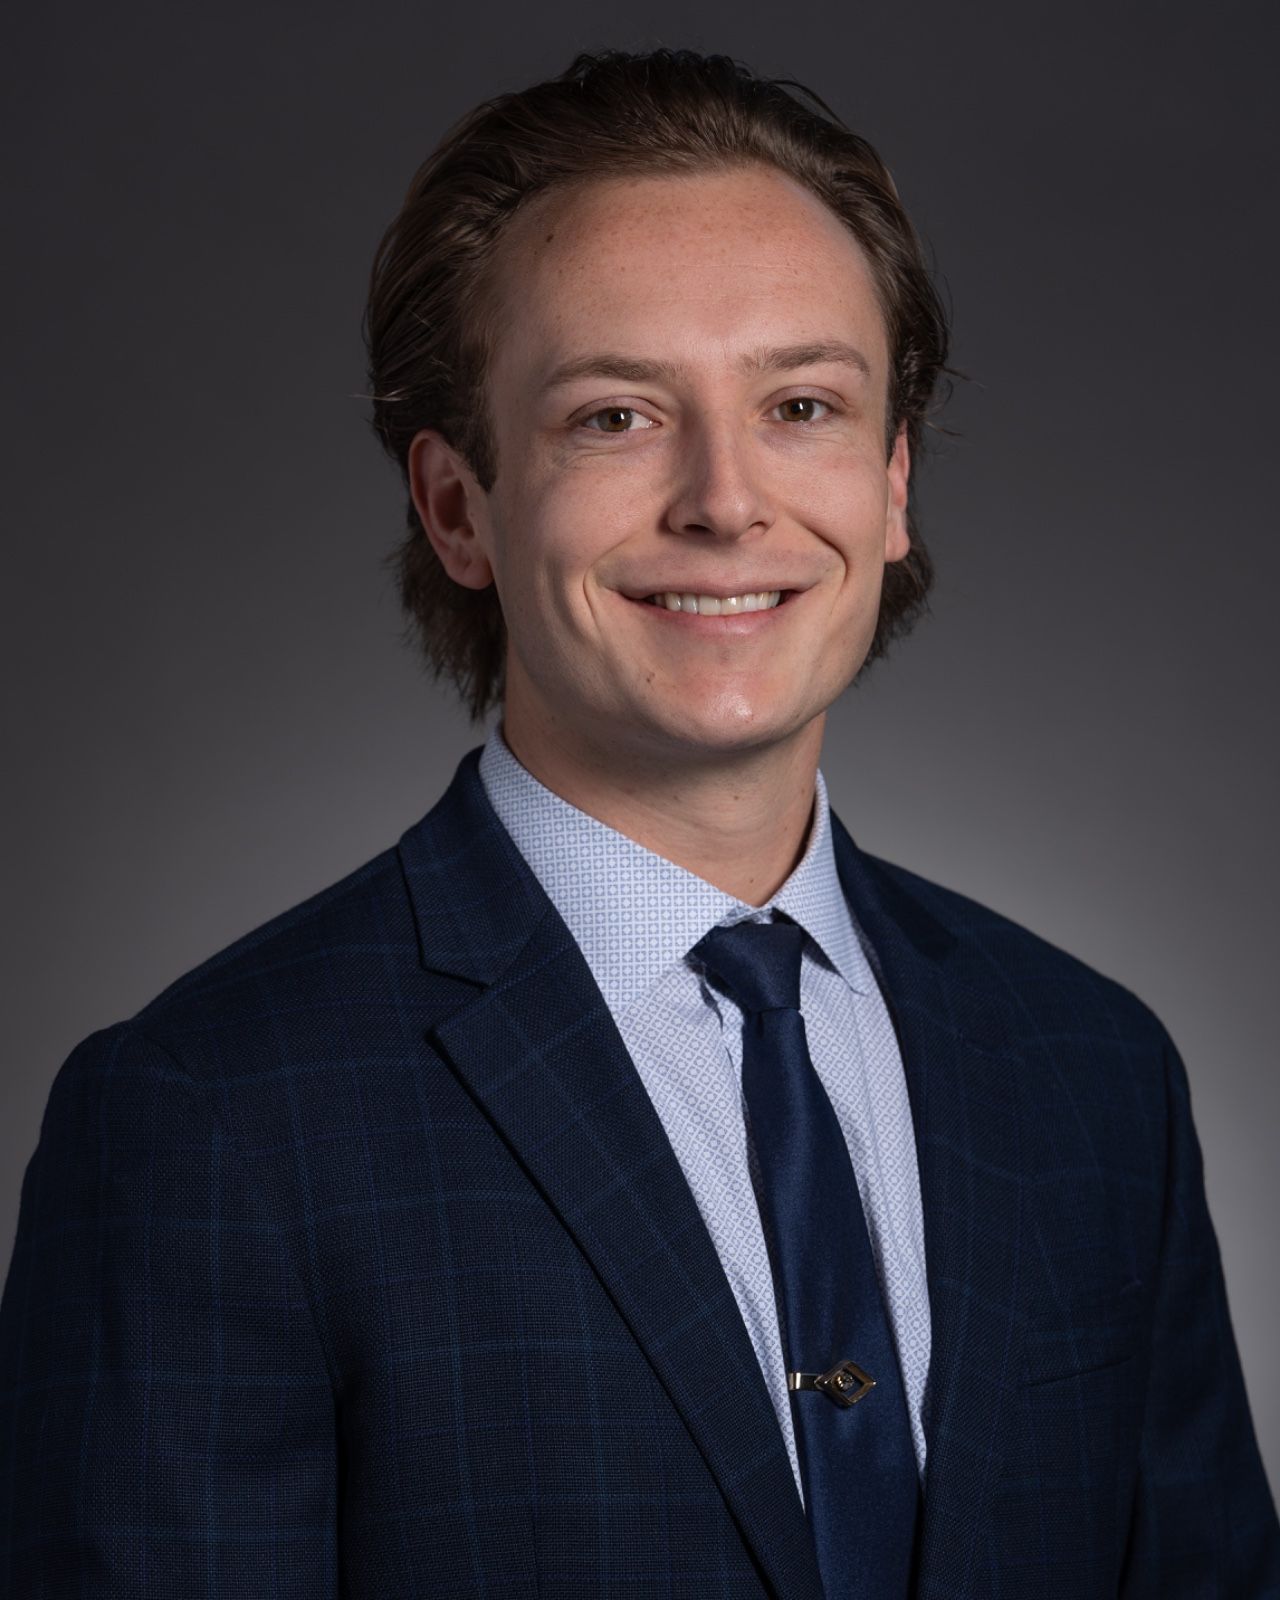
636 916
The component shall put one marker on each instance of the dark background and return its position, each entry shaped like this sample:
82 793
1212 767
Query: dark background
212 715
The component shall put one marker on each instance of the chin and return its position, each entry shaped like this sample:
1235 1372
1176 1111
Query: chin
726 724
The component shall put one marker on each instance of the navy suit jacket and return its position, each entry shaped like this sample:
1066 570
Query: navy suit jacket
358 1263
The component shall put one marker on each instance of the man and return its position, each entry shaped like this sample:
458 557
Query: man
626 1184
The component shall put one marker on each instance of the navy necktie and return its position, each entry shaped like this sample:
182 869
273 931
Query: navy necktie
857 1463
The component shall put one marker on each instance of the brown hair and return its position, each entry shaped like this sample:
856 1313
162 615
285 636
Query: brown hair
428 325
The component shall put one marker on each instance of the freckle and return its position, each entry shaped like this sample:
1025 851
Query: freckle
549 238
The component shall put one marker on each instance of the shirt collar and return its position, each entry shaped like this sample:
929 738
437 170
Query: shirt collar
632 912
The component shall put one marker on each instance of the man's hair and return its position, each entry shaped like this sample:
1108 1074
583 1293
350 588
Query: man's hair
430 321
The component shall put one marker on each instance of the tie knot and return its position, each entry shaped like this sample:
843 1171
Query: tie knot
756 963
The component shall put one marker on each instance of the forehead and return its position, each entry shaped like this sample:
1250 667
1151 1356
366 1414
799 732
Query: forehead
690 268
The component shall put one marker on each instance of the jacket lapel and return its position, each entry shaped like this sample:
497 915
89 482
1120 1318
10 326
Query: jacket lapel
538 1049
956 1024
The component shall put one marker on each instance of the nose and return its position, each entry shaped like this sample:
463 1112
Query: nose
720 490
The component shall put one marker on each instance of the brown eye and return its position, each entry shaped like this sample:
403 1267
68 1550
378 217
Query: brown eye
800 408
616 419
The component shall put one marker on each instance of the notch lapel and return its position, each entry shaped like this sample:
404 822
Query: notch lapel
538 1048
956 1028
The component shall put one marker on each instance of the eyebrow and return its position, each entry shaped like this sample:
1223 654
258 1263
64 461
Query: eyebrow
765 358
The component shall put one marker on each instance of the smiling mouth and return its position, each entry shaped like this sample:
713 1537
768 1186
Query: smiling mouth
711 605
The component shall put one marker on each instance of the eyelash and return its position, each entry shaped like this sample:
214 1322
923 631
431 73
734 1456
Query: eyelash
604 411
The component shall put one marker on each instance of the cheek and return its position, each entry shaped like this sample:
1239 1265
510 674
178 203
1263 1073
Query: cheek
547 552
847 510
567 520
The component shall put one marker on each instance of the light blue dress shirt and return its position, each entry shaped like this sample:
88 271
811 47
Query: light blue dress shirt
635 915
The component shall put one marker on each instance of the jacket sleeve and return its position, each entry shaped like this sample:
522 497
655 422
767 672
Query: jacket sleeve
1204 1522
167 1420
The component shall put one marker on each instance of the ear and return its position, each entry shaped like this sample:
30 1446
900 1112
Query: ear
897 540
450 506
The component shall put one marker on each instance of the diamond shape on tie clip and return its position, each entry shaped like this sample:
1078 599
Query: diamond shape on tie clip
846 1383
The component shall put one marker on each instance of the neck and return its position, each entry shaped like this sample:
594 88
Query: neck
739 819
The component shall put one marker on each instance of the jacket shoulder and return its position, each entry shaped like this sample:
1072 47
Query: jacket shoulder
999 951
321 946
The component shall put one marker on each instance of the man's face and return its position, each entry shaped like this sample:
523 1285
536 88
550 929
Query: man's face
688 394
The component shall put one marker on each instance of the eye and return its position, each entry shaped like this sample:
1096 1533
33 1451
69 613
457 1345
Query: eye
617 419
801 408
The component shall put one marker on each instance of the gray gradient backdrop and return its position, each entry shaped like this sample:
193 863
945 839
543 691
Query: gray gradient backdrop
212 715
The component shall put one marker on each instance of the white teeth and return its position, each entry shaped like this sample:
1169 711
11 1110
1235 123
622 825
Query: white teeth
710 605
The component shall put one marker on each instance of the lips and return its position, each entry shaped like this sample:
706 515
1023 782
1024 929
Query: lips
725 625
717 590
713 605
